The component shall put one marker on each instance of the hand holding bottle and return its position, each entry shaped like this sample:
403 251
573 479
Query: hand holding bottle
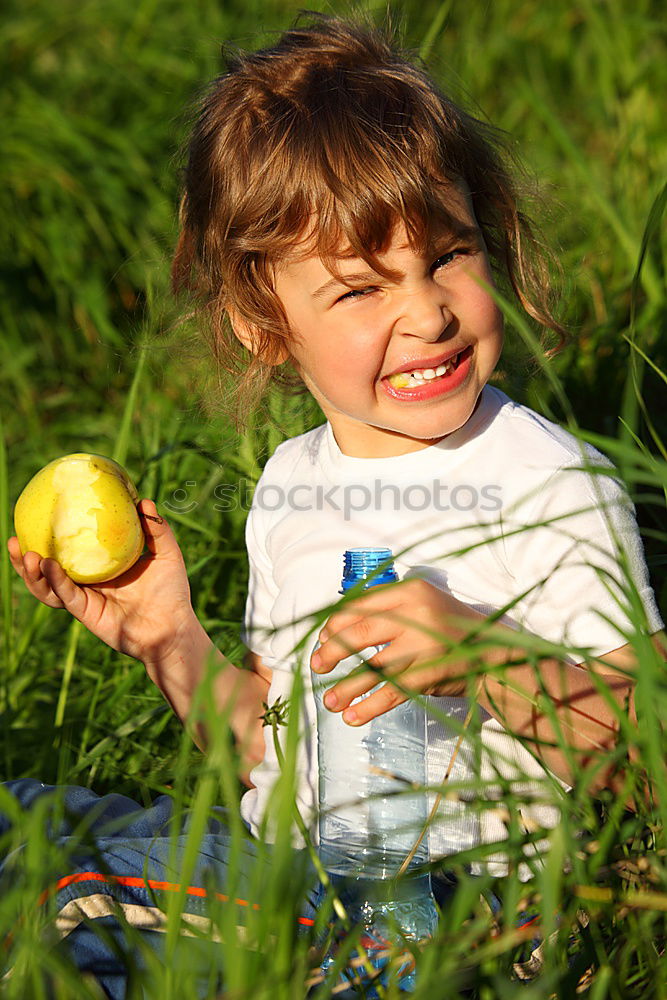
420 622
373 809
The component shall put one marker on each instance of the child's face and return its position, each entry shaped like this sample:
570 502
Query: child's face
347 341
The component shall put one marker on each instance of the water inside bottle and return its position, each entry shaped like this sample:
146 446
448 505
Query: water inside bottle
392 917
373 807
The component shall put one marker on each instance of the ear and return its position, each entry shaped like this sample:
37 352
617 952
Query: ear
246 333
243 331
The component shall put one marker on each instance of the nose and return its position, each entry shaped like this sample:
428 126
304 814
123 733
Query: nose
425 314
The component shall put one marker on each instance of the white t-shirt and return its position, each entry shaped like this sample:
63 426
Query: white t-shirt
454 513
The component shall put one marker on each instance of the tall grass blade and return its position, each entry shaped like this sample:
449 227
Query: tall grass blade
651 230
585 172
75 630
633 398
124 435
435 28
8 652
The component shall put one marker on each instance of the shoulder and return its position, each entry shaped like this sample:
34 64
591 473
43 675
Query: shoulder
535 446
293 462
545 472
303 449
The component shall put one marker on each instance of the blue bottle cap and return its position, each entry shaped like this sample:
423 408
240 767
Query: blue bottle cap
374 565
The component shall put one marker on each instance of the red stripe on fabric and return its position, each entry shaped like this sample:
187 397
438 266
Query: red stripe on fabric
528 923
134 882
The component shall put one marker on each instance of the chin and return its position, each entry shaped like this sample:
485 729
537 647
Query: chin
431 434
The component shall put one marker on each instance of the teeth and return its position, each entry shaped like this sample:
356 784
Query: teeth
403 380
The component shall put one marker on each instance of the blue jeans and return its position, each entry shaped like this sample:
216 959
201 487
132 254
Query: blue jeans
124 861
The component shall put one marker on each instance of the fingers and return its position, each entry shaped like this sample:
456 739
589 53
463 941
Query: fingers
160 539
383 700
71 596
363 698
14 553
47 580
422 678
342 695
29 569
361 704
382 598
359 635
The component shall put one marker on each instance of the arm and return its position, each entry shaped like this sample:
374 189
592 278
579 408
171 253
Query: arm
240 692
576 541
586 720
427 652
146 613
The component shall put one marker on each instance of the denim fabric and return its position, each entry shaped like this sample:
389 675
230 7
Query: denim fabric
124 855
128 859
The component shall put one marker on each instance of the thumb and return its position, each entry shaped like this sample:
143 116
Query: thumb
160 539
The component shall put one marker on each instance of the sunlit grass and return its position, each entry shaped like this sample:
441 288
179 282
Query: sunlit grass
95 97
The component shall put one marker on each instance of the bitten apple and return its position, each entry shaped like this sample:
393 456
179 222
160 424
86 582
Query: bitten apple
81 510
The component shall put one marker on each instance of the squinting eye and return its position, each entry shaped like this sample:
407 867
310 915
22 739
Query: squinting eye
448 257
361 292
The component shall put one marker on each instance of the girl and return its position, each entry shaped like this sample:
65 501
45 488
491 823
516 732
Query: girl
346 225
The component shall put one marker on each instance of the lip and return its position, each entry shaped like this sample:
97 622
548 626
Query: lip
436 387
418 364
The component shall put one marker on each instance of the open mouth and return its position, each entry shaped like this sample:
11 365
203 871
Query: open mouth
424 376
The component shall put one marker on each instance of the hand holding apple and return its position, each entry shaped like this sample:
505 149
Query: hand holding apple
81 511
80 534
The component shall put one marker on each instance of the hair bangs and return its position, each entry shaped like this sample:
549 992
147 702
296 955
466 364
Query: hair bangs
360 193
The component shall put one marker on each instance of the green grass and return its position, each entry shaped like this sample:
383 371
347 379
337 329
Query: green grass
95 99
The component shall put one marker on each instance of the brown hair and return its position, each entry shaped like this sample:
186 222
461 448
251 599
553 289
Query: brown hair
334 121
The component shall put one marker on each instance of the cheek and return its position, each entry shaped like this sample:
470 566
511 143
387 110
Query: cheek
343 349
495 321
487 315
322 362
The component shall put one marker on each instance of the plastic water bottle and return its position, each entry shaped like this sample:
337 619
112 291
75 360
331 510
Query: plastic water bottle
373 806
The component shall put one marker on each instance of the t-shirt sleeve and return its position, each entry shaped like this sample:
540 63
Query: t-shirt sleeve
577 557
258 629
